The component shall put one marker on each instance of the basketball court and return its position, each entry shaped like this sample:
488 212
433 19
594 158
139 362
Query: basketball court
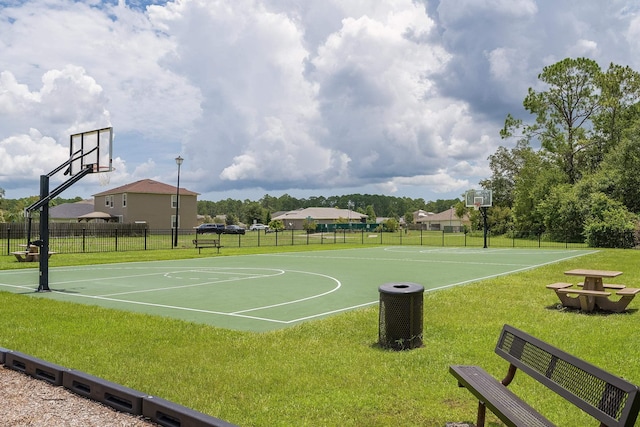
271 291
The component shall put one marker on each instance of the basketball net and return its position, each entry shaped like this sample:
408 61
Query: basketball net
104 175
476 205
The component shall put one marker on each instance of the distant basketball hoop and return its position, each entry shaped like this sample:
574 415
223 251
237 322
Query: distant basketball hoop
480 200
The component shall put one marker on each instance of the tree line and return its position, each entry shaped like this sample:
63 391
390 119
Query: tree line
249 211
372 205
573 170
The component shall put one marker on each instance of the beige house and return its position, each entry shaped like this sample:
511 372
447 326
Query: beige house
295 219
447 220
150 202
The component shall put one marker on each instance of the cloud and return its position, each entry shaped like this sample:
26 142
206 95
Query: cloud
281 95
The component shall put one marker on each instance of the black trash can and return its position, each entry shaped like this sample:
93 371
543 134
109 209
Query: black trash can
400 326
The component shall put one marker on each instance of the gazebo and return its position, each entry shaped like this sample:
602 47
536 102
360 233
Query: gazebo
97 216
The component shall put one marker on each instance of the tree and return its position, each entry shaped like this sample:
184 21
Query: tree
371 214
609 224
563 112
252 212
563 214
533 183
621 170
619 98
408 218
505 166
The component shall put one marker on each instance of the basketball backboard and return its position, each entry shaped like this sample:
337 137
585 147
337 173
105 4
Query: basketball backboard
479 199
93 148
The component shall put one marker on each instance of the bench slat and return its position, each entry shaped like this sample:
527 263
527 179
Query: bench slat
628 291
583 292
607 285
512 410
559 285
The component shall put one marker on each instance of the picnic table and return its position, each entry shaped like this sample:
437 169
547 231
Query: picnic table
30 254
593 293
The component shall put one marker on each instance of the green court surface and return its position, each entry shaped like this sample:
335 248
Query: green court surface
271 291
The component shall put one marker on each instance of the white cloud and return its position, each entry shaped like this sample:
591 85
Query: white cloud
281 95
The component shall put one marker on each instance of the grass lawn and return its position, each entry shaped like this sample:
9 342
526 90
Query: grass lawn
329 372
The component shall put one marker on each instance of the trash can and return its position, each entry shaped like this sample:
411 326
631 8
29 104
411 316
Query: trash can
400 326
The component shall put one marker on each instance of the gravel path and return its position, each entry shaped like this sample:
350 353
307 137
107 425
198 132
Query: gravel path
26 401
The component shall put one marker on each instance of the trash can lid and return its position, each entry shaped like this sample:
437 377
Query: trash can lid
401 288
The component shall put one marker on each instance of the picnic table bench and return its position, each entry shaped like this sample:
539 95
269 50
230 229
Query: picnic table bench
207 243
606 397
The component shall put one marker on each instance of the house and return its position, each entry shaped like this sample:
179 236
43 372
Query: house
70 212
447 220
151 202
295 219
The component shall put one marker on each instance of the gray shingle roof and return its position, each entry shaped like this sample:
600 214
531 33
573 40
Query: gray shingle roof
320 213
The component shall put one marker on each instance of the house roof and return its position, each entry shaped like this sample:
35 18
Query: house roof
71 210
320 213
147 186
441 216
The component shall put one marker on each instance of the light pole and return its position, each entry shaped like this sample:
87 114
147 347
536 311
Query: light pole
179 161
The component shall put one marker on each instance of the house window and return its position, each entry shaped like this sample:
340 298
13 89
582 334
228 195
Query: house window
174 197
108 201
173 221
124 200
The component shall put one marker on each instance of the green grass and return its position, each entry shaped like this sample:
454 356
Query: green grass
329 372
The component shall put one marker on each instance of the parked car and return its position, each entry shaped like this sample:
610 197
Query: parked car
210 228
233 229
257 227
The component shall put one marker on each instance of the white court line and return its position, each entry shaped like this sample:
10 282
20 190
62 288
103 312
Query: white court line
233 314
442 287
240 313
338 286
26 287
194 285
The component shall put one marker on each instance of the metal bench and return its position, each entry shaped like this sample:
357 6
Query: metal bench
207 243
607 398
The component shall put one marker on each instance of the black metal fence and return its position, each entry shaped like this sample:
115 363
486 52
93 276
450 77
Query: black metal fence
97 237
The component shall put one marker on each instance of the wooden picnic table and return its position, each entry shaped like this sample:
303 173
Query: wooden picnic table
30 254
593 278
593 292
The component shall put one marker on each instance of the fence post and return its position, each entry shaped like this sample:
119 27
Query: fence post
84 238
292 237
145 239
539 239
443 238
116 239
8 240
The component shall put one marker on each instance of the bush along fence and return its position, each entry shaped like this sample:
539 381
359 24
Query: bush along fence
85 238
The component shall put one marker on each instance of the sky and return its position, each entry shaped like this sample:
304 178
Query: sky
302 97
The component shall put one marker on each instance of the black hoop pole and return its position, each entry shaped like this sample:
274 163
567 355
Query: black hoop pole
43 243
483 209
